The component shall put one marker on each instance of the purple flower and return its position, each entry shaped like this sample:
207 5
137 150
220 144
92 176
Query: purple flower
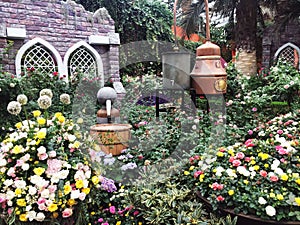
108 185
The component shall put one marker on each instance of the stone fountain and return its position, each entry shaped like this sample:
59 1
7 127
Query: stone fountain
108 132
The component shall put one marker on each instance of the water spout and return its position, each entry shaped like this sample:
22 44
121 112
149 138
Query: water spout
108 110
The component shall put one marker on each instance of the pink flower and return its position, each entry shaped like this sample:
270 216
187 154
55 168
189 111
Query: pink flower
197 173
274 178
247 159
43 156
236 163
280 132
250 132
54 166
112 209
281 150
100 220
249 143
286 86
239 155
220 198
254 109
263 173
67 213
52 188
19 162
135 213
231 159
217 186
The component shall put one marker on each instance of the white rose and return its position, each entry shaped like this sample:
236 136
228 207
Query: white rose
25 166
32 190
31 215
41 150
45 193
71 137
270 210
10 195
20 184
63 174
8 182
40 217
262 201
3 162
75 194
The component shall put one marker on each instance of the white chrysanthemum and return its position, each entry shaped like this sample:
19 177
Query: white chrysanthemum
270 210
65 99
14 107
46 92
44 102
22 99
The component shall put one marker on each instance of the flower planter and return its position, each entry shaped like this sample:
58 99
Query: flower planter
244 219
112 138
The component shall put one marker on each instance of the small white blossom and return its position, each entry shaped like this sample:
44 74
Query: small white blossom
262 201
270 210
22 99
14 107
44 102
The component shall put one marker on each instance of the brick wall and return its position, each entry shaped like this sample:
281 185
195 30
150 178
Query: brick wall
62 24
273 40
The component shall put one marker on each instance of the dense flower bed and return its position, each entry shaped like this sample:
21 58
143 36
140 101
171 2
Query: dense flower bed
258 177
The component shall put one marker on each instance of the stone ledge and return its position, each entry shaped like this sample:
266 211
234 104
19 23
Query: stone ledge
16 33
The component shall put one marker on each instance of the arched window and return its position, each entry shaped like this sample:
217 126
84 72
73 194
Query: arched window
83 59
40 55
289 52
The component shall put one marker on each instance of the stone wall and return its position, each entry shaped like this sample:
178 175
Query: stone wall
60 23
273 40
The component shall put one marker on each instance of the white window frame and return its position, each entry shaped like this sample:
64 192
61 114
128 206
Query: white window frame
289 44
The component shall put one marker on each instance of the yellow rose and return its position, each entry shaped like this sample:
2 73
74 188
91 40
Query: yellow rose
61 119
118 223
79 184
231 192
58 114
186 173
41 134
79 120
297 181
71 202
67 189
53 207
76 144
201 177
95 179
41 120
192 167
256 167
17 149
86 190
272 195
18 191
23 217
21 202
36 113
220 154
39 171
18 125
280 197
284 177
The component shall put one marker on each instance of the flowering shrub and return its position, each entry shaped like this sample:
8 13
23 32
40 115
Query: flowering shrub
259 177
44 174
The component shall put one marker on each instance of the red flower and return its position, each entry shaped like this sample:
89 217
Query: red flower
55 73
220 198
249 143
263 173
274 178
217 186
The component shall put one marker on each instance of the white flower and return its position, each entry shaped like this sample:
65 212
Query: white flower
25 166
262 201
279 171
275 164
31 215
12 85
8 182
219 171
65 99
41 150
71 137
75 194
3 162
44 102
231 173
270 210
45 193
20 184
32 190
10 195
46 92
14 107
40 217
22 99
63 174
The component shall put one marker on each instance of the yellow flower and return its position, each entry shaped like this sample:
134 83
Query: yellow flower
41 120
263 156
231 152
67 189
297 200
41 134
79 184
201 177
140 223
192 167
71 202
272 195
297 181
36 113
266 165
17 149
18 125
21 202
95 179
246 182
93 213
86 190
18 191
58 114
284 177
220 154
23 217
76 144
256 167
61 119
55 215
53 207
186 173
231 192
280 197
39 171
118 223
252 162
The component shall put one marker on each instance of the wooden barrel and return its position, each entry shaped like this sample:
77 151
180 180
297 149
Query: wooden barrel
112 138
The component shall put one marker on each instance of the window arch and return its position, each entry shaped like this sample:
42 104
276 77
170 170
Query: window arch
83 58
39 54
290 53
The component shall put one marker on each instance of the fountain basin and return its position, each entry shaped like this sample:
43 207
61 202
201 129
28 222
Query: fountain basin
111 137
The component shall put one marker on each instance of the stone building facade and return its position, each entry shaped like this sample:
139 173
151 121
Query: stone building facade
61 36
283 40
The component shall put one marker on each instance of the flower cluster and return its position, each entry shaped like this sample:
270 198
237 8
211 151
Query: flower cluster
44 172
260 176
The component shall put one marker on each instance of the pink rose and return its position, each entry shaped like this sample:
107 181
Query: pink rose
197 173
52 188
247 159
274 178
236 163
220 198
231 159
67 213
112 209
135 213
263 173
240 155
280 132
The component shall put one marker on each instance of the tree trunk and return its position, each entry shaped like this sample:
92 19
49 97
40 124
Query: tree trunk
246 16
